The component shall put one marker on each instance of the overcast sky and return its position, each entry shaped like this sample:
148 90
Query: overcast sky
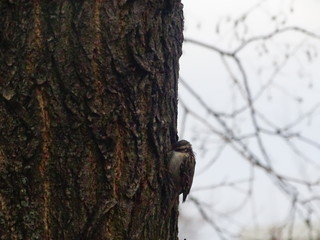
204 71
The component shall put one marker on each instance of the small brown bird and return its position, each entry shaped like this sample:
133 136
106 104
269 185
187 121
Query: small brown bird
181 167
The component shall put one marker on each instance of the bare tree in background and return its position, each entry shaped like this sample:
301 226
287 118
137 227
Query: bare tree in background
250 131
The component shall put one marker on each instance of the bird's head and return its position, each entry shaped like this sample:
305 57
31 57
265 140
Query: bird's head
182 146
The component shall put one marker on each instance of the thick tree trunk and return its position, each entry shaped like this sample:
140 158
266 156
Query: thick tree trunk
88 108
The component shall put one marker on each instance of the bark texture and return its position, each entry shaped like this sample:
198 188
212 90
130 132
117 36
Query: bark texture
88 108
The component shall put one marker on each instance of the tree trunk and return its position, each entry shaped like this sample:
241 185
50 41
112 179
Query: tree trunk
88 108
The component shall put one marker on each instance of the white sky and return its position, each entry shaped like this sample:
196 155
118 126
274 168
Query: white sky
204 71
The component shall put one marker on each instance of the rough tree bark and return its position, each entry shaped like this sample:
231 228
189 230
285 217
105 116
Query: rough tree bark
88 108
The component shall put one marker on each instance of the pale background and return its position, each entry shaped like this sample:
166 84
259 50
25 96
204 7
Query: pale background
295 91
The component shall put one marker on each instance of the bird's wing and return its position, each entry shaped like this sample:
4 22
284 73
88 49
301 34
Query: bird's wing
187 172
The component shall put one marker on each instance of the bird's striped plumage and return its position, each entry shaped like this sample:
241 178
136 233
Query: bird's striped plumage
181 166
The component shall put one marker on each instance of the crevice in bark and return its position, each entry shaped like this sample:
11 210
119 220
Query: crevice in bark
88 98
